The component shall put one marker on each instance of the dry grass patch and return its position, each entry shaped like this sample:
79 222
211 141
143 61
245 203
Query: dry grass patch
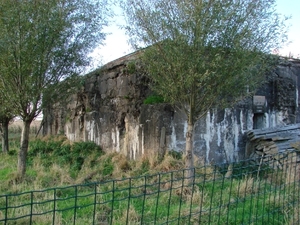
17 125
295 218
121 164
247 186
56 138
131 215
169 163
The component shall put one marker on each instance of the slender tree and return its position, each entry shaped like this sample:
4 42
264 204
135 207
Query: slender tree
6 116
204 53
4 122
43 42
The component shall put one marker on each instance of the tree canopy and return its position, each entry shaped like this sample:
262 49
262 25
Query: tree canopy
204 53
42 43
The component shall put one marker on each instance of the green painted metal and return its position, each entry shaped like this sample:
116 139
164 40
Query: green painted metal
253 194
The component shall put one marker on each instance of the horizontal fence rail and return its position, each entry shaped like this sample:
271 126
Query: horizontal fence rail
240 193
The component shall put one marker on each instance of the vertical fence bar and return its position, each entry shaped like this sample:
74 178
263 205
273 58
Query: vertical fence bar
257 198
229 197
202 196
192 195
245 195
95 203
54 206
284 187
144 198
170 196
296 181
181 192
157 198
211 196
112 202
31 207
75 205
263 202
298 190
266 196
294 199
237 199
128 205
221 196
6 210
275 193
293 182
270 189
280 187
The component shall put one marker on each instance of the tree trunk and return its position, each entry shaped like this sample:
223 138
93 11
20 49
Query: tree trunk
5 147
23 149
189 158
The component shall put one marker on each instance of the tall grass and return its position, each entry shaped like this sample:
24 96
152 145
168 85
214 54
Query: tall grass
166 199
78 182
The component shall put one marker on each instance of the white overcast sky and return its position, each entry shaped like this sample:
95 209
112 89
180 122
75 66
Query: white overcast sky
116 44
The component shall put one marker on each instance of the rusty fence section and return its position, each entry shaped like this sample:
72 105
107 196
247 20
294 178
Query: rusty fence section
241 193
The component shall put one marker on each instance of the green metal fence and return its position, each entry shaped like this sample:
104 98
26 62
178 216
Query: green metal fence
242 193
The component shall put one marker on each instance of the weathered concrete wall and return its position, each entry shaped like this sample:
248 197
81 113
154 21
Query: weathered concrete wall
110 111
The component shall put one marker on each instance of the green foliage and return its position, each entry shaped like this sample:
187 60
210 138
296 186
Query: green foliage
52 40
145 166
108 167
142 167
12 152
52 45
56 151
131 67
153 99
202 54
175 154
4 173
240 169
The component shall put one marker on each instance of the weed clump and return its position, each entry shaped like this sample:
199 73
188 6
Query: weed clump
57 151
154 99
55 161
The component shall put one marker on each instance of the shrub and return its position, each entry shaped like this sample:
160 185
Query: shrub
56 151
153 99
12 152
175 154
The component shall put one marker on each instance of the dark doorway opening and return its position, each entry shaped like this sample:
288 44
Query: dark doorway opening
258 121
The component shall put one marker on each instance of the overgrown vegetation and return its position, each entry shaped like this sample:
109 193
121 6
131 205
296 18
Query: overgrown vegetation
131 67
89 186
154 99
55 38
201 55
54 161
117 191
